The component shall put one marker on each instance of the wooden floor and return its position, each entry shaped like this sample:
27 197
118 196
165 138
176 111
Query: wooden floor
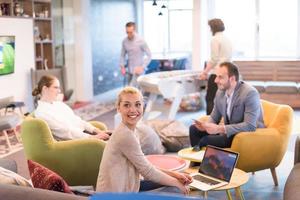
259 187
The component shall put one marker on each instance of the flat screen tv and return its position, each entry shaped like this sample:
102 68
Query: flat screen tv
7 54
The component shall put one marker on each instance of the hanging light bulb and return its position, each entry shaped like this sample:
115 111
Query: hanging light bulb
160 13
163 6
154 3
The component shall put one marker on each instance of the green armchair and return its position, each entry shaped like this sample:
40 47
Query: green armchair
77 161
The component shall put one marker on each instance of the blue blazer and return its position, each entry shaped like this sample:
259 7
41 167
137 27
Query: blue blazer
246 110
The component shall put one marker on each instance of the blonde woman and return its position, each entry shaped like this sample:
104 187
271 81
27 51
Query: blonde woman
123 160
62 121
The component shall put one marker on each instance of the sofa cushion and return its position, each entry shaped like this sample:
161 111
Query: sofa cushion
173 134
10 177
259 85
281 87
292 185
44 178
149 139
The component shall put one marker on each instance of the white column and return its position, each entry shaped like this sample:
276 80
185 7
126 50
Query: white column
139 6
78 50
298 30
196 61
202 11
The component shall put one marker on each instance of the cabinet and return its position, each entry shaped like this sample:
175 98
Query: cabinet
40 12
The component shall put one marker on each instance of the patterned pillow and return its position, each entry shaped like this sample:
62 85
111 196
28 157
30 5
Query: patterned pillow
44 178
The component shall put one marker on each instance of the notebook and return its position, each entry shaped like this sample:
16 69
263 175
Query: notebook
215 169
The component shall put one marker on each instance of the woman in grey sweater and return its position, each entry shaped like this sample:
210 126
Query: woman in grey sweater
123 160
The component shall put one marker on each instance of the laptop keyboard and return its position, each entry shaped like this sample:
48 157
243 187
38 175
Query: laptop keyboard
205 180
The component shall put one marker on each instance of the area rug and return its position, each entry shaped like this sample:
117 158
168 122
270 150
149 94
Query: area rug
93 110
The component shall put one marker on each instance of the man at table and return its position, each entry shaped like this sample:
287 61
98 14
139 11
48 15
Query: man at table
239 105
135 48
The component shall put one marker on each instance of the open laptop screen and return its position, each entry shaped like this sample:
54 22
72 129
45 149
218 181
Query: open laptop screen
218 163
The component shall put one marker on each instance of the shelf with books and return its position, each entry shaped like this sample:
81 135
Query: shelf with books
40 11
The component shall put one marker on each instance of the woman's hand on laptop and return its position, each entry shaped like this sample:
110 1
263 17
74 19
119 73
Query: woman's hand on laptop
181 177
184 178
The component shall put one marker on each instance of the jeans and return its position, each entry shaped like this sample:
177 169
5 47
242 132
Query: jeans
202 138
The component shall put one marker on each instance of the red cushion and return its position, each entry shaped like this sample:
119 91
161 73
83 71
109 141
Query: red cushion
44 178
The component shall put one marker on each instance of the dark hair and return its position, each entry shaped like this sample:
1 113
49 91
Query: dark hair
130 24
46 80
232 69
216 25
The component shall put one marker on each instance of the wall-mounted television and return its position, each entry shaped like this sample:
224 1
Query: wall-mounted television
7 54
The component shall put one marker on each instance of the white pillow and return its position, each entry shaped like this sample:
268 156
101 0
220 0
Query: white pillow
10 177
149 140
173 134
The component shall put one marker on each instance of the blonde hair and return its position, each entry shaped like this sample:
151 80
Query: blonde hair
128 90
46 80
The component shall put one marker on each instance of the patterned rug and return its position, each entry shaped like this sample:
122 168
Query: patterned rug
93 110
15 145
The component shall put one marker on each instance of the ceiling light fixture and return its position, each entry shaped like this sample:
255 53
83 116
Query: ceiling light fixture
154 3
163 6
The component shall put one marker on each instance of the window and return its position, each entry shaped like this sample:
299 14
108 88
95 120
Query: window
171 31
261 31
278 28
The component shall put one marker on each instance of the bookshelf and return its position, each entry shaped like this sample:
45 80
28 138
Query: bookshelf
40 12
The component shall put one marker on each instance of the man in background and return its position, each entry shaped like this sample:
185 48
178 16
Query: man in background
135 48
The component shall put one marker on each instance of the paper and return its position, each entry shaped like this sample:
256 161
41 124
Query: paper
198 155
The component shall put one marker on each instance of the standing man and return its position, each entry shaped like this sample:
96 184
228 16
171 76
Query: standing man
135 47
220 51
239 105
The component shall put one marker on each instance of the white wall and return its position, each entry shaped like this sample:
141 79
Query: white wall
18 84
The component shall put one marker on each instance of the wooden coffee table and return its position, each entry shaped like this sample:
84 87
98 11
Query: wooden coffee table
239 178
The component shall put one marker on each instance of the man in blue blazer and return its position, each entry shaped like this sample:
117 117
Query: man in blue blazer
239 105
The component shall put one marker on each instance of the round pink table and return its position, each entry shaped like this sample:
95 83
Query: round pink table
168 162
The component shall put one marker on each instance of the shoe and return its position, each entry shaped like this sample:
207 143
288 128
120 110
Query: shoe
196 148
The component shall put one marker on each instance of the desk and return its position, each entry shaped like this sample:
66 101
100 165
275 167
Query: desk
170 84
238 179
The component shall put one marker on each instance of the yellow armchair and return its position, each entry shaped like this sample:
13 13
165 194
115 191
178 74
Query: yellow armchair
265 148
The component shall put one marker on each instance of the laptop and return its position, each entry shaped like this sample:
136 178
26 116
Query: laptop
215 169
